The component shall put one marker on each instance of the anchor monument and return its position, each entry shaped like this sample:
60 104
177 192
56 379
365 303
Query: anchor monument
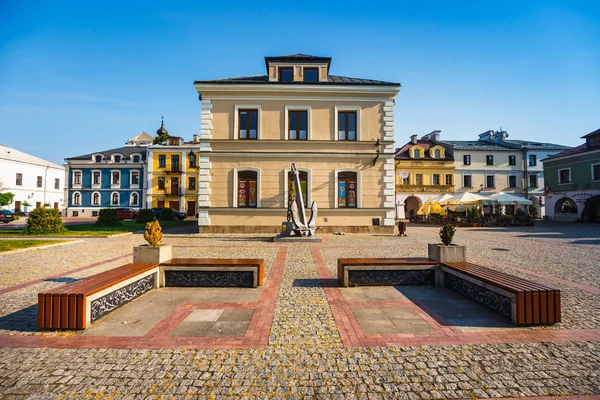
297 211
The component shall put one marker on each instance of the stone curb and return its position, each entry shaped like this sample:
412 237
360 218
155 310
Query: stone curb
40 247
81 237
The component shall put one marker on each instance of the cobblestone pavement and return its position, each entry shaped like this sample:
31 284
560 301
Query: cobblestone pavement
305 355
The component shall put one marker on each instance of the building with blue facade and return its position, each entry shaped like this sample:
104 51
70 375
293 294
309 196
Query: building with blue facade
114 178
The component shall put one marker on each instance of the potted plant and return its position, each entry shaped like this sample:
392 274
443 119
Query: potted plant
26 206
446 251
153 252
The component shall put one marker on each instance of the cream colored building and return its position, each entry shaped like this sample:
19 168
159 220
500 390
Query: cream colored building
338 131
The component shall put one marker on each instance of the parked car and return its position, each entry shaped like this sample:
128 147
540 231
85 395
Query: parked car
178 215
127 213
6 216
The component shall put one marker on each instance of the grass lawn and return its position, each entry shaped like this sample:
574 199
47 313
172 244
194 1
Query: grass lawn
91 230
6 245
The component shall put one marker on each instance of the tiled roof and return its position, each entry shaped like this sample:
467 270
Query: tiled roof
8 153
331 80
126 151
477 145
403 152
596 132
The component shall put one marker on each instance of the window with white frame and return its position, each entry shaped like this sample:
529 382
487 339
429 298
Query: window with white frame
98 158
96 198
596 172
248 123
533 181
114 199
564 175
76 177
115 178
247 189
133 199
347 123
490 181
467 181
76 199
135 178
96 178
347 190
297 126
117 158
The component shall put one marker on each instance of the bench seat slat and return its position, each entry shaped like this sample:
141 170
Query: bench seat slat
497 276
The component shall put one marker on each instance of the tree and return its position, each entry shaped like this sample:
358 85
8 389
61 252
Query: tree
6 198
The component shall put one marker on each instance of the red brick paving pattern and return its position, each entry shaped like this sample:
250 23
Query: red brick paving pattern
257 334
352 335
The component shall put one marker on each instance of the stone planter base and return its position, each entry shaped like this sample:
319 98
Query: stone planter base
442 253
147 254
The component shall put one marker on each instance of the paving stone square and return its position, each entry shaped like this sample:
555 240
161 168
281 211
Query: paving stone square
301 335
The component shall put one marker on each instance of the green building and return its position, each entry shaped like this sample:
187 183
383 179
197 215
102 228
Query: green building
572 177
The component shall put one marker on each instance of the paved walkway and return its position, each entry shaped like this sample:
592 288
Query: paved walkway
304 336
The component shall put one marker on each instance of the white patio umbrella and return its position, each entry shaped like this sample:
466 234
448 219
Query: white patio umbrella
506 199
464 198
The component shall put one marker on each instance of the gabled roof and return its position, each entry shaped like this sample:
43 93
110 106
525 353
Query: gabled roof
596 132
403 152
331 80
126 151
141 138
575 150
10 154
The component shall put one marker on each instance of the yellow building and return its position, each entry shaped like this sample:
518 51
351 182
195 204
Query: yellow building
173 172
338 131
424 168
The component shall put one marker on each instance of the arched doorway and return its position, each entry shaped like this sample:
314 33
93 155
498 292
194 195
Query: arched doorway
411 206
565 209
591 209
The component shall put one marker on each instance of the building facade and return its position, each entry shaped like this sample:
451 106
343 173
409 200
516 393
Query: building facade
173 173
572 177
338 131
32 180
114 178
424 167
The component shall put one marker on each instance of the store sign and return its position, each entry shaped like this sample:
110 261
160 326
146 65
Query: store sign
403 173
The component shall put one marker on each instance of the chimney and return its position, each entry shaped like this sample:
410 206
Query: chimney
413 139
433 135
196 138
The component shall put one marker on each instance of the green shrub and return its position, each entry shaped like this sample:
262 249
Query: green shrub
145 216
447 233
44 220
167 215
108 217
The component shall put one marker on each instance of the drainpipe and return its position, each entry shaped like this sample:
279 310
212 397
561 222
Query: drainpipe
526 178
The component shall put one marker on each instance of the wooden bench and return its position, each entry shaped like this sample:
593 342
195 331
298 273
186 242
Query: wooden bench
522 301
212 272
386 271
77 304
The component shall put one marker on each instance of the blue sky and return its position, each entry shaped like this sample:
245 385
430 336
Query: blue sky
78 77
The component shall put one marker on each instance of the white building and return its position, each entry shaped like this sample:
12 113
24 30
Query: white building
32 180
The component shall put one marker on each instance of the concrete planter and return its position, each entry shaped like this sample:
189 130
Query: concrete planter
442 253
147 254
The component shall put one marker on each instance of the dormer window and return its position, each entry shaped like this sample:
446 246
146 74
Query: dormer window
117 158
136 158
416 153
98 158
436 153
311 74
286 74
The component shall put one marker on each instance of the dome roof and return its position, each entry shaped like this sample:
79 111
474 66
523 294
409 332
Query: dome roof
162 131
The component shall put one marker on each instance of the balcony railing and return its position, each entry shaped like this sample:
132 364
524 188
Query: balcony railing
174 168
425 188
